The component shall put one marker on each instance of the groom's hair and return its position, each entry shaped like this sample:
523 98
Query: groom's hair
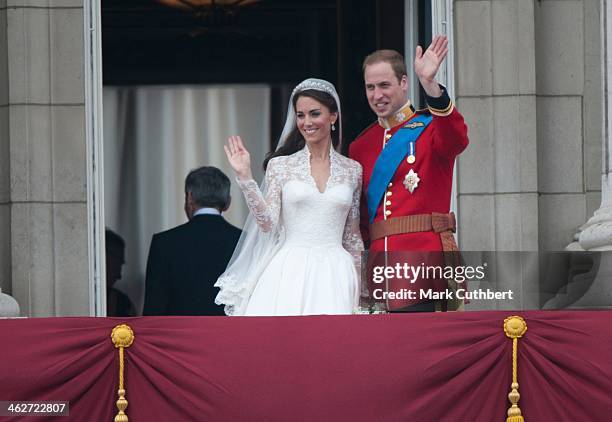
209 187
395 59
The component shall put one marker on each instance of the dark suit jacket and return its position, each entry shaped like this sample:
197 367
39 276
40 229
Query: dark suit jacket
184 264
118 304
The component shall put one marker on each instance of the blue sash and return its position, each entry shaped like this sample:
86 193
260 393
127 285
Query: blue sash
390 158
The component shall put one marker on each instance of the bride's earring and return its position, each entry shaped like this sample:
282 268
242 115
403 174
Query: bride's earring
333 127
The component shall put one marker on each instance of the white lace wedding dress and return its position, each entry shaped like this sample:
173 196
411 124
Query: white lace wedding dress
316 269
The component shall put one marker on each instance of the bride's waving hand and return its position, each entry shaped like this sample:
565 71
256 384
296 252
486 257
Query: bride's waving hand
238 157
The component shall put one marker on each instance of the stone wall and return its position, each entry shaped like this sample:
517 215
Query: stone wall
497 175
43 146
569 103
529 85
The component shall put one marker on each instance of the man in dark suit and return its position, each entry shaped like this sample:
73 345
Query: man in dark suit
185 262
118 304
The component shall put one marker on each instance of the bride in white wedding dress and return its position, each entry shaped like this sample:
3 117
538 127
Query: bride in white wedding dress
300 253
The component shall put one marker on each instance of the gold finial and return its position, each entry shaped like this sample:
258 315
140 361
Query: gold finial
122 336
515 327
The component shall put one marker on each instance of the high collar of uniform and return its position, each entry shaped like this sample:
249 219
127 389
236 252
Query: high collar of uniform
400 116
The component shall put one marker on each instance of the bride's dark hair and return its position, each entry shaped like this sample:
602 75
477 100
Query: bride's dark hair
295 141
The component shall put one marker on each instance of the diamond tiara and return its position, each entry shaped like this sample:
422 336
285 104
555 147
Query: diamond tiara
317 84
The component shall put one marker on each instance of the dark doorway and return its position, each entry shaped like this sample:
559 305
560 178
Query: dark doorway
276 42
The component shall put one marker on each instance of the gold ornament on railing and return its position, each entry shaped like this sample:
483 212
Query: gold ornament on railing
122 337
514 327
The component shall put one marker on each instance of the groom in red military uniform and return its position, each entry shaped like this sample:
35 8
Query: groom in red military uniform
407 158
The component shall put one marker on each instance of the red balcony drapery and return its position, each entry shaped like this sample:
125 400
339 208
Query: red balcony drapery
411 367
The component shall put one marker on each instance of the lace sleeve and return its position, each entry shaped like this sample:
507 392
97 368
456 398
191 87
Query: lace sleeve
351 238
265 210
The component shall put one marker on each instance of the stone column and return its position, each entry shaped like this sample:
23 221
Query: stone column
591 286
5 185
8 306
596 234
569 117
44 143
497 174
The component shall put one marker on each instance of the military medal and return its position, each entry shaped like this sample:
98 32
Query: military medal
411 158
411 181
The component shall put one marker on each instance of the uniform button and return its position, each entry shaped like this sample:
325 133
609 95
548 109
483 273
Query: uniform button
389 193
387 136
387 212
390 184
388 203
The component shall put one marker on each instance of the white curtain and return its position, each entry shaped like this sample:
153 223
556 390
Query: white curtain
153 136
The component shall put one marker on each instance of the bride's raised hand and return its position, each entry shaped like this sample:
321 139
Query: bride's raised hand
238 157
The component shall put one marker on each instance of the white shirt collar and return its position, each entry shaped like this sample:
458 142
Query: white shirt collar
207 211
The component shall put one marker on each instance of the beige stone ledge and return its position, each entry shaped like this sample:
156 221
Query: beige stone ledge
42 4
34 104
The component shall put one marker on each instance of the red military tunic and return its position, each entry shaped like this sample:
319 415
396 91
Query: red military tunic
436 149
